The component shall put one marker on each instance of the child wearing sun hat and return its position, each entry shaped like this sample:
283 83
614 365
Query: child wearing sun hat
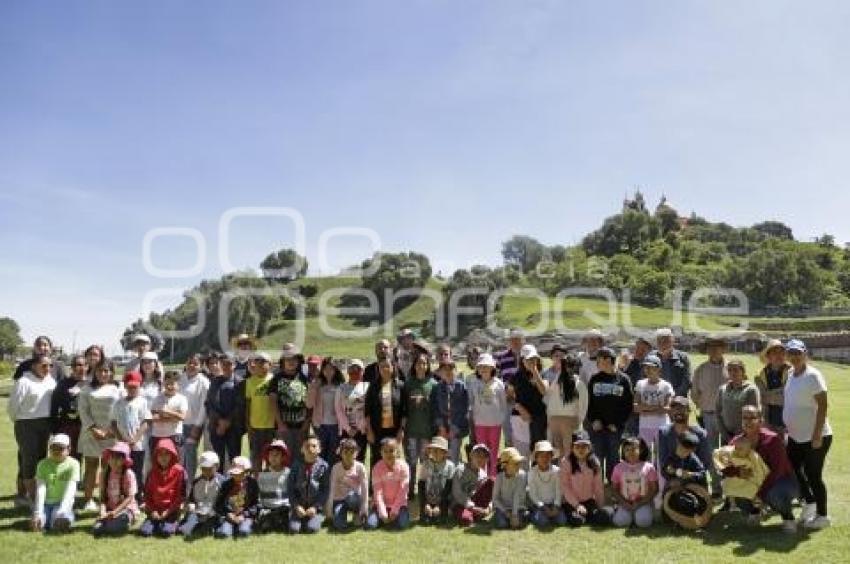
118 489
435 483
544 488
238 501
509 492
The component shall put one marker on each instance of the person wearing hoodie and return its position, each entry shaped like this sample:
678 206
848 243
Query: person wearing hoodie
200 510
238 501
165 491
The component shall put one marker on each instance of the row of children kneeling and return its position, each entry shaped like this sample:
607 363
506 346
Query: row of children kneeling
298 498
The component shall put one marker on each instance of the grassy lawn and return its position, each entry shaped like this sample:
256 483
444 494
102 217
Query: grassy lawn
726 537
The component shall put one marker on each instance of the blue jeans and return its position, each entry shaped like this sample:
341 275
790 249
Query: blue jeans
306 525
342 507
227 529
51 513
198 524
401 521
502 520
159 528
779 498
328 439
414 450
606 445
542 520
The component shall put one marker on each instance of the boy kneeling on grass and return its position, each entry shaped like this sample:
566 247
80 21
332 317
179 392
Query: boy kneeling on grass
56 483
238 501
201 518
472 488
309 486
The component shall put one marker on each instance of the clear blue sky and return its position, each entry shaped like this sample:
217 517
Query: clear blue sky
444 126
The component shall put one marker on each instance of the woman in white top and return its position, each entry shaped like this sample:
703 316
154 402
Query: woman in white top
565 399
809 433
29 411
95 404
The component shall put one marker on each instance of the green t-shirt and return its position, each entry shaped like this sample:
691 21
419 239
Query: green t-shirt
420 423
57 475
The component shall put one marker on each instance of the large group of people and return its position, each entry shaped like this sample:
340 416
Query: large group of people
599 437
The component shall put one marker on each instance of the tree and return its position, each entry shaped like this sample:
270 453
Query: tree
775 229
523 252
284 265
10 335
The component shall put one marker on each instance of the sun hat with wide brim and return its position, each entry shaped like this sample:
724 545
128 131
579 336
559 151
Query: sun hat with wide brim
510 454
771 345
698 521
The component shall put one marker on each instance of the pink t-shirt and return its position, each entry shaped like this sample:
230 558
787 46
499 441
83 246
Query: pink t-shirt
390 487
118 487
632 480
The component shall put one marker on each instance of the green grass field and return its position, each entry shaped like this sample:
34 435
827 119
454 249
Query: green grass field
726 537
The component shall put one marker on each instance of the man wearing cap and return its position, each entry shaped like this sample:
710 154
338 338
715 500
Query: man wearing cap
610 402
668 436
141 344
244 347
705 386
403 352
382 352
508 362
675 364
593 340
771 383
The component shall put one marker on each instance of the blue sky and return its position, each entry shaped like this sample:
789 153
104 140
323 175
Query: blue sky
443 126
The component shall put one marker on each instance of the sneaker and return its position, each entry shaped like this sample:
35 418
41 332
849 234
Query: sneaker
789 526
818 522
90 507
809 512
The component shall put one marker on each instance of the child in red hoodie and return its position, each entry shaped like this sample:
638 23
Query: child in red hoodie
165 491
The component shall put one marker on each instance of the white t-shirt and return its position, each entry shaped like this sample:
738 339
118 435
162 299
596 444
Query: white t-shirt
800 407
177 402
654 395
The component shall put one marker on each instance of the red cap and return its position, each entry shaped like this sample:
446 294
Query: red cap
314 359
133 378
